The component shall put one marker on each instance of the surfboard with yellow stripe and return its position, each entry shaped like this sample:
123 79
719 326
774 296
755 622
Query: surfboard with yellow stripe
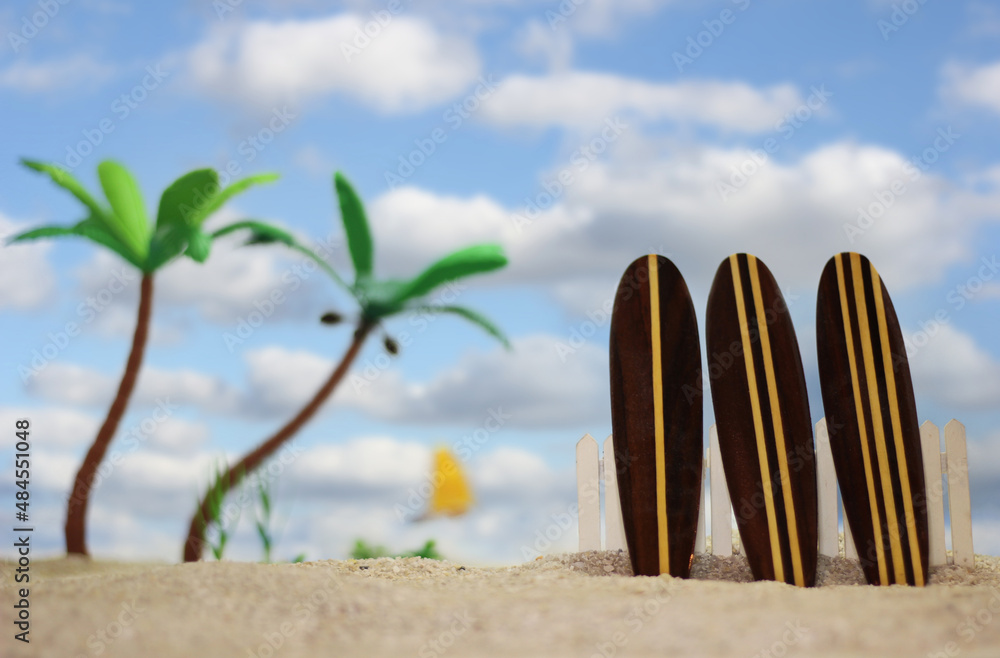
656 416
762 416
872 416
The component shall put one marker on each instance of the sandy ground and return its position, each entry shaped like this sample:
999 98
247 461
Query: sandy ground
583 604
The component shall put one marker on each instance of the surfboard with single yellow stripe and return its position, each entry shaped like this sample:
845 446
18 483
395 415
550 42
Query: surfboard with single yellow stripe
656 416
872 416
762 416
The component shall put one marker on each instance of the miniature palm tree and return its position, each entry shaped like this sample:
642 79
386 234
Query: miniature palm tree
377 299
122 226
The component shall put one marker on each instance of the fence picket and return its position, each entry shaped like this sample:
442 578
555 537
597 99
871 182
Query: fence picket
826 488
588 493
614 529
930 442
959 503
722 517
850 550
699 537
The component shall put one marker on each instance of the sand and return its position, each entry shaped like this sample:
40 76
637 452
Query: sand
583 604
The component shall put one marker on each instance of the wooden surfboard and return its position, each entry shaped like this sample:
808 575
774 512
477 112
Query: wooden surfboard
656 416
872 416
762 416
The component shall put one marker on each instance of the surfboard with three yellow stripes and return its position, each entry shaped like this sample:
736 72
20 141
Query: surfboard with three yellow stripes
656 416
872 420
762 415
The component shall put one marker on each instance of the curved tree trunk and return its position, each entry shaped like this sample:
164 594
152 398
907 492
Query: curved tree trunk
76 510
195 541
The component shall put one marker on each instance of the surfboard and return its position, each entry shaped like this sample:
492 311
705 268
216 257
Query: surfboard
656 416
762 416
872 419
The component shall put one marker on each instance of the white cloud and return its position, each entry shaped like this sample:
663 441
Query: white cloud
63 428
794 214
68 383
55 75
972 85
234 282
955 370
539 384
554 47
408 66
26 278
584 100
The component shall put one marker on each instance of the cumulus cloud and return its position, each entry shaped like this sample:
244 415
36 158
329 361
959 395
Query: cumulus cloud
408 66
976 86
55 75
544 382
695 205
68 383
955 370
584 100
26 278
234 282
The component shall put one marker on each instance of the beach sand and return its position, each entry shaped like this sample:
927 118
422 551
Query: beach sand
582 604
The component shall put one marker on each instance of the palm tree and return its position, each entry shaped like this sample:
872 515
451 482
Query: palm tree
122 226
378 300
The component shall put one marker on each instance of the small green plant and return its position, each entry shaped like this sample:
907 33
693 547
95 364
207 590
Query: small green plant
364 551
264 517
224 527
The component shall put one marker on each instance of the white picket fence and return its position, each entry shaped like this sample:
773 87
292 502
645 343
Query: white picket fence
946 471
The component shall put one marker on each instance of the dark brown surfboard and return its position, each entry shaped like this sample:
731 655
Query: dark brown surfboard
762 416
656 416
872 416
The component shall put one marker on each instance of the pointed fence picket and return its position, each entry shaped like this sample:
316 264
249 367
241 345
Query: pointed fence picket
945 473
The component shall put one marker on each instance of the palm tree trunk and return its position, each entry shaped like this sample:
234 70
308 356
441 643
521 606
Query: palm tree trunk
76 512
195 541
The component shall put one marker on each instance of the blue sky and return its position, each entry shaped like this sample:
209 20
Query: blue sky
455 121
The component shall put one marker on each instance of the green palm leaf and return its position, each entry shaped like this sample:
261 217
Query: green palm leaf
261 233
89 228
472 316
180 205
462 263
229 192
199 245
359 237
128 221
65 180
